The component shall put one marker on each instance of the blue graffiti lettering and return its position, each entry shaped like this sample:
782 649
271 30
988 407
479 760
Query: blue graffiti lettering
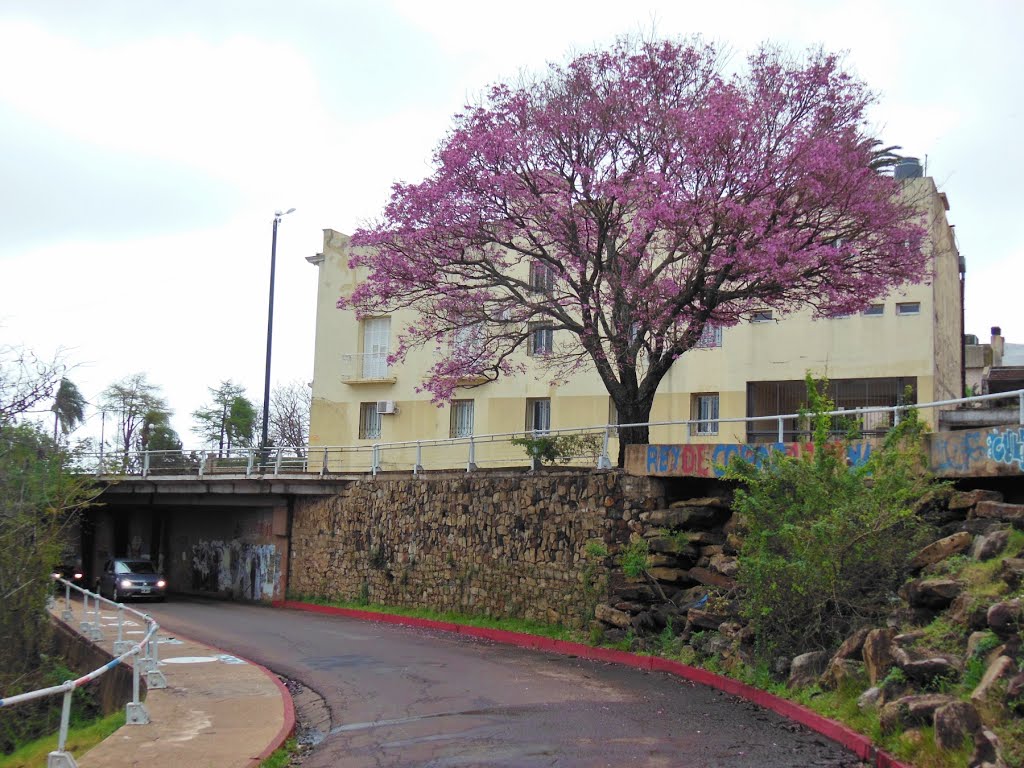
652 458
1007 447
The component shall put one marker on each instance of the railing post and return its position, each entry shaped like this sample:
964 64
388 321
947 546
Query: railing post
604 461
1020 416
121 645
471 463
84 624
202 463
782 431
67 614
154 677
375 459
249 462
323 469
135 712
145 463
60 758
277 461
418 467
896 416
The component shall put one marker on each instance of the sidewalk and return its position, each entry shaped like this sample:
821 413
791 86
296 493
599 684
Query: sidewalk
218 711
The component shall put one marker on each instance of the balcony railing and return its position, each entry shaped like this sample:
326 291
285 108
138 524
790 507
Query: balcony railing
366 366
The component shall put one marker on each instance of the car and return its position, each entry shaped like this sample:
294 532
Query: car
68 573
126 578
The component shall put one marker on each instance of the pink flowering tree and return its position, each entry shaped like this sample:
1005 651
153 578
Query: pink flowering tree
627 201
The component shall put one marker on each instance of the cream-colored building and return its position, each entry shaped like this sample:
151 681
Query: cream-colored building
911 338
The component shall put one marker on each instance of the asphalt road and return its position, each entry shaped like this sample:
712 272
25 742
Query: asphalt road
408 697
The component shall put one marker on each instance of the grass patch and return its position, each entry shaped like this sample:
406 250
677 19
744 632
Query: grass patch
555 631
282 756
80 740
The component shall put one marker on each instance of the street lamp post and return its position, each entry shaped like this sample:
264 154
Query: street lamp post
270 331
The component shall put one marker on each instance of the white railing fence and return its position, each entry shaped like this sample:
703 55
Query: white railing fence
597 446
91 626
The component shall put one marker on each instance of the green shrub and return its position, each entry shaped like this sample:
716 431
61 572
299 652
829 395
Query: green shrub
560 449
827 544
634 558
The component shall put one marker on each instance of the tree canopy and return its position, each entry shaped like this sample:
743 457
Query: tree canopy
229 420
140 409
625 201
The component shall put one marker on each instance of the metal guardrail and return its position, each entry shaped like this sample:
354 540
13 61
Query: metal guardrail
446 453
91 627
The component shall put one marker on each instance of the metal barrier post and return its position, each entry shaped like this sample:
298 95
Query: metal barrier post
145 463
277 462
1020 418
67 614
84 624
375 459
121 645
202 463
418 466
135 712
471 464
782 431
95 631
60 758
154 677
896 416
249 462
604 460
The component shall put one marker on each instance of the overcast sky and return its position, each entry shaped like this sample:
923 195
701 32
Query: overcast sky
145 145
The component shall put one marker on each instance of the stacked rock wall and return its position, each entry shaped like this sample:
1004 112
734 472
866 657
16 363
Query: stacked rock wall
494 543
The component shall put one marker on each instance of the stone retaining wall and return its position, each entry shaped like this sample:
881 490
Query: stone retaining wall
507 544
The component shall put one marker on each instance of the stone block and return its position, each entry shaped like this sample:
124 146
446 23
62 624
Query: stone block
954 722
939 550
968 499
994 510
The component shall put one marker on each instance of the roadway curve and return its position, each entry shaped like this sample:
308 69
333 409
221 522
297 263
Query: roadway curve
401 696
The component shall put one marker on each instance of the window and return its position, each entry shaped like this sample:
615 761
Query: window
538 415
908 308
369 421
462 418
875 310
468 339
710 337
541 340
376 333
705 410
764 316
542 277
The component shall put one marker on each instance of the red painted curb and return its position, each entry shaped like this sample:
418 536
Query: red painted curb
857 743
287 728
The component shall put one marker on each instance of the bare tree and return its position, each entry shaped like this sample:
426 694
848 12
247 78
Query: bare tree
26 380
289 416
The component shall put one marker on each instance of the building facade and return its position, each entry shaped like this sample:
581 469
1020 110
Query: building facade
909 341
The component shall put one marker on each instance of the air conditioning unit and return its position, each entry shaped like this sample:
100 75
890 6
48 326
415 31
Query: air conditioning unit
386 407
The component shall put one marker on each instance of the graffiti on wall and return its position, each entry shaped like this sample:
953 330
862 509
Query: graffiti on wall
711 460
236 569
955 453
1006 446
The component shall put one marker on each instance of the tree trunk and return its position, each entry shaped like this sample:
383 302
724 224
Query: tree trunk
633 413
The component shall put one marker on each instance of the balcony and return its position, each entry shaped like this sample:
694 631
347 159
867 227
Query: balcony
366 368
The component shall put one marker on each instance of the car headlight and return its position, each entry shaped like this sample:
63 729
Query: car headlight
78 575
125 584
161 583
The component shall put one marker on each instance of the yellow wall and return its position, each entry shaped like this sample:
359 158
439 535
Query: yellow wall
926 346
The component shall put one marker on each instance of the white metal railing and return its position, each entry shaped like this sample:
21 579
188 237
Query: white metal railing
365 365
495 450
91 626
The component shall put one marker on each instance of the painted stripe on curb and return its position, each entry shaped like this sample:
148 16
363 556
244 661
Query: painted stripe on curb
841 734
